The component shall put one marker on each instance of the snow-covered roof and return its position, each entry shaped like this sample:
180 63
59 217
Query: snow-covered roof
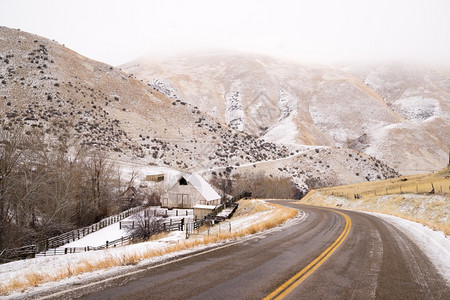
202 187
202 206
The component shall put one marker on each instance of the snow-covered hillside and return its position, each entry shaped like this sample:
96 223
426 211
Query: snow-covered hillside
397 113
221 122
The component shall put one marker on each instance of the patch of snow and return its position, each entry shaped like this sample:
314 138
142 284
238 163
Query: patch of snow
167 88
128 168
202 206
287 103
284 132
417 107
433 243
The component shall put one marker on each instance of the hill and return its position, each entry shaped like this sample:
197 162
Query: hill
397 113
48 88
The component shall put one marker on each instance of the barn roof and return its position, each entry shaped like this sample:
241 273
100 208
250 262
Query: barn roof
202 187
200 184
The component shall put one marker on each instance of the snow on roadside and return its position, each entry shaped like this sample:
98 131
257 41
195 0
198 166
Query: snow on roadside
433 243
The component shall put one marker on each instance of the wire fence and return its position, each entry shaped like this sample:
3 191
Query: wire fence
436 188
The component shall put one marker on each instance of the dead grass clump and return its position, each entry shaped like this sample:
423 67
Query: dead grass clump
158 236
130 259
278 217
34 279
251 206
84 266
14 284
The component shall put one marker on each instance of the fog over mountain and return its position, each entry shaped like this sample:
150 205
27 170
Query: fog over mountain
235 123
396 112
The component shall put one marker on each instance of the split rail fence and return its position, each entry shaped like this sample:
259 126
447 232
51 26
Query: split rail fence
62 239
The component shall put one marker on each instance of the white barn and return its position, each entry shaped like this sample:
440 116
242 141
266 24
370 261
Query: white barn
188 191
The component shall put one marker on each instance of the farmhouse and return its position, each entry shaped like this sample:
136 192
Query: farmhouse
188 191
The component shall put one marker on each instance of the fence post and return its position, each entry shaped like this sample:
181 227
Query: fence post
120 225
107 244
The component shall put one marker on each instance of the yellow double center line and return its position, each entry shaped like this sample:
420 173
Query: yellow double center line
298 278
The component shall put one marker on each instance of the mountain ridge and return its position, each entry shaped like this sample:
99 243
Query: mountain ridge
47 88
334 106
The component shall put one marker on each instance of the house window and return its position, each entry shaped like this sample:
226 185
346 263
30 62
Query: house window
183 181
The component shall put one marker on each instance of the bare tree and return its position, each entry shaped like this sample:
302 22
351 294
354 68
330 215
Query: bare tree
145 227
50 187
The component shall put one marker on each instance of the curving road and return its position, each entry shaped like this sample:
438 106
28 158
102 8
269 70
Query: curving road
328 255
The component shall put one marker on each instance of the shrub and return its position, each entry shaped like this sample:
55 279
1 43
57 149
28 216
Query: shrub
145 227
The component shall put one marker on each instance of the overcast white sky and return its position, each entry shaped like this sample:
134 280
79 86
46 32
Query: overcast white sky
323 31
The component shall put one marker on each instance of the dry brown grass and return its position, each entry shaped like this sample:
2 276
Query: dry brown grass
251 206
416 184
14 284
394 197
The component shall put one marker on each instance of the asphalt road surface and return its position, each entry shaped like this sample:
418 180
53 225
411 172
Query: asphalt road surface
328 255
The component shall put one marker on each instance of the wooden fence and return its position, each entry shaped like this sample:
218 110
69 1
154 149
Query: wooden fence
52 246
169 225
210 219
77 234
30 251
125 240
242 195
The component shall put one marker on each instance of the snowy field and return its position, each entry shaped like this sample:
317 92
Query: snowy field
433 243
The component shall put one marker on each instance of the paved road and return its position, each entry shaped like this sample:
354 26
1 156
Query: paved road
374 261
